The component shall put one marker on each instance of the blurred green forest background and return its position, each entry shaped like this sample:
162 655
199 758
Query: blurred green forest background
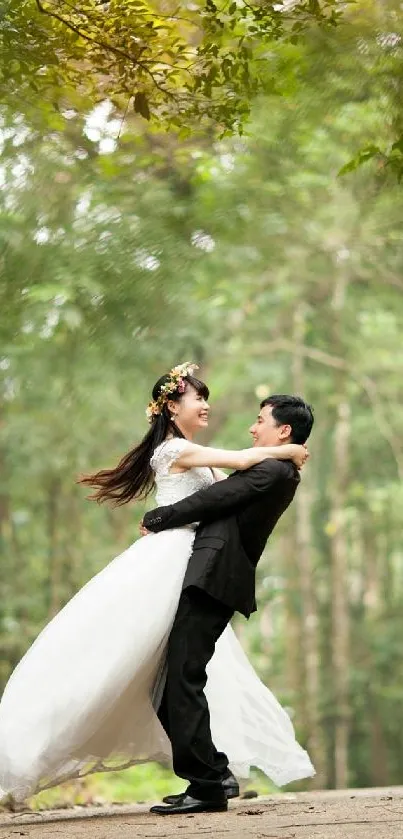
126 249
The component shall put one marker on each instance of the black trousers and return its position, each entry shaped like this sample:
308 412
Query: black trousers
184 712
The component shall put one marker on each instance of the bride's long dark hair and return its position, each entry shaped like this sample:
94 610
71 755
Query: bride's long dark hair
133 477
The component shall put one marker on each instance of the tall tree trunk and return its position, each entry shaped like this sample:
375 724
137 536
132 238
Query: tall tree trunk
304 551
339 545
340 617
294 670
373 603
309 638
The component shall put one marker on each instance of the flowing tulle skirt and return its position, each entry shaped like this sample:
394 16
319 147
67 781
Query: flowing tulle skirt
82 699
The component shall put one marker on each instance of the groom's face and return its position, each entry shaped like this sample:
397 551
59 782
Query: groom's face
266 432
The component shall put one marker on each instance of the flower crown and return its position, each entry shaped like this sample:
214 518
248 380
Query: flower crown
175 382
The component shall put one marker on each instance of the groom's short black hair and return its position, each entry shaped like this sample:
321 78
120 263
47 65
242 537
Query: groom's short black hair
291 410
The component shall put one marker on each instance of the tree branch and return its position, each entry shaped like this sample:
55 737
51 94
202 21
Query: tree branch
105 46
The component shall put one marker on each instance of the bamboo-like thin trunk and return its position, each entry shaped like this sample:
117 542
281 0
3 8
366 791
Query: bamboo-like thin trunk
373 604
340 617
339 544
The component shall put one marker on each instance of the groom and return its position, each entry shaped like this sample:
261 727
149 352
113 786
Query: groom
236 516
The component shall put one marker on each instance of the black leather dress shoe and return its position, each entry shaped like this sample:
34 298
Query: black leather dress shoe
230 786
187 804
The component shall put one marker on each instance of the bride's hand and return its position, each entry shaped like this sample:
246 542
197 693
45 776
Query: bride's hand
143 530
298 454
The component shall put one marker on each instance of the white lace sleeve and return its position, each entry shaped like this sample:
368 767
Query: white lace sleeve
166 454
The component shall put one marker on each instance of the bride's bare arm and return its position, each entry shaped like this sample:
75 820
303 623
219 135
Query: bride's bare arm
195 455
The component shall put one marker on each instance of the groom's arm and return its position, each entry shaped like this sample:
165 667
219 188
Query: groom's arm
220 499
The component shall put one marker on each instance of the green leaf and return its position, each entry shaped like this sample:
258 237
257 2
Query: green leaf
365 154
141 105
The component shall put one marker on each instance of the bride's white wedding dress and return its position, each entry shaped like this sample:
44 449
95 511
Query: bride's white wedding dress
81 699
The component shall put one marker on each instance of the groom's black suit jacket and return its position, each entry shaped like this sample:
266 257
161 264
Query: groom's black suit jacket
237 516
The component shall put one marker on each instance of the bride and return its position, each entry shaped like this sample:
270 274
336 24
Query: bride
83 697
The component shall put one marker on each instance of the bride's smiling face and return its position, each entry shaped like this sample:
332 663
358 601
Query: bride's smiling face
190 413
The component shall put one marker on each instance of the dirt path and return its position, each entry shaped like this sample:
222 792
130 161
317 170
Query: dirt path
347 814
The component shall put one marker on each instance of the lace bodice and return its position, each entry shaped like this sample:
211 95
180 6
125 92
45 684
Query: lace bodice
173 486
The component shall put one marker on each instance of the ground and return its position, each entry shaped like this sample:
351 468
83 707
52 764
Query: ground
360 814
